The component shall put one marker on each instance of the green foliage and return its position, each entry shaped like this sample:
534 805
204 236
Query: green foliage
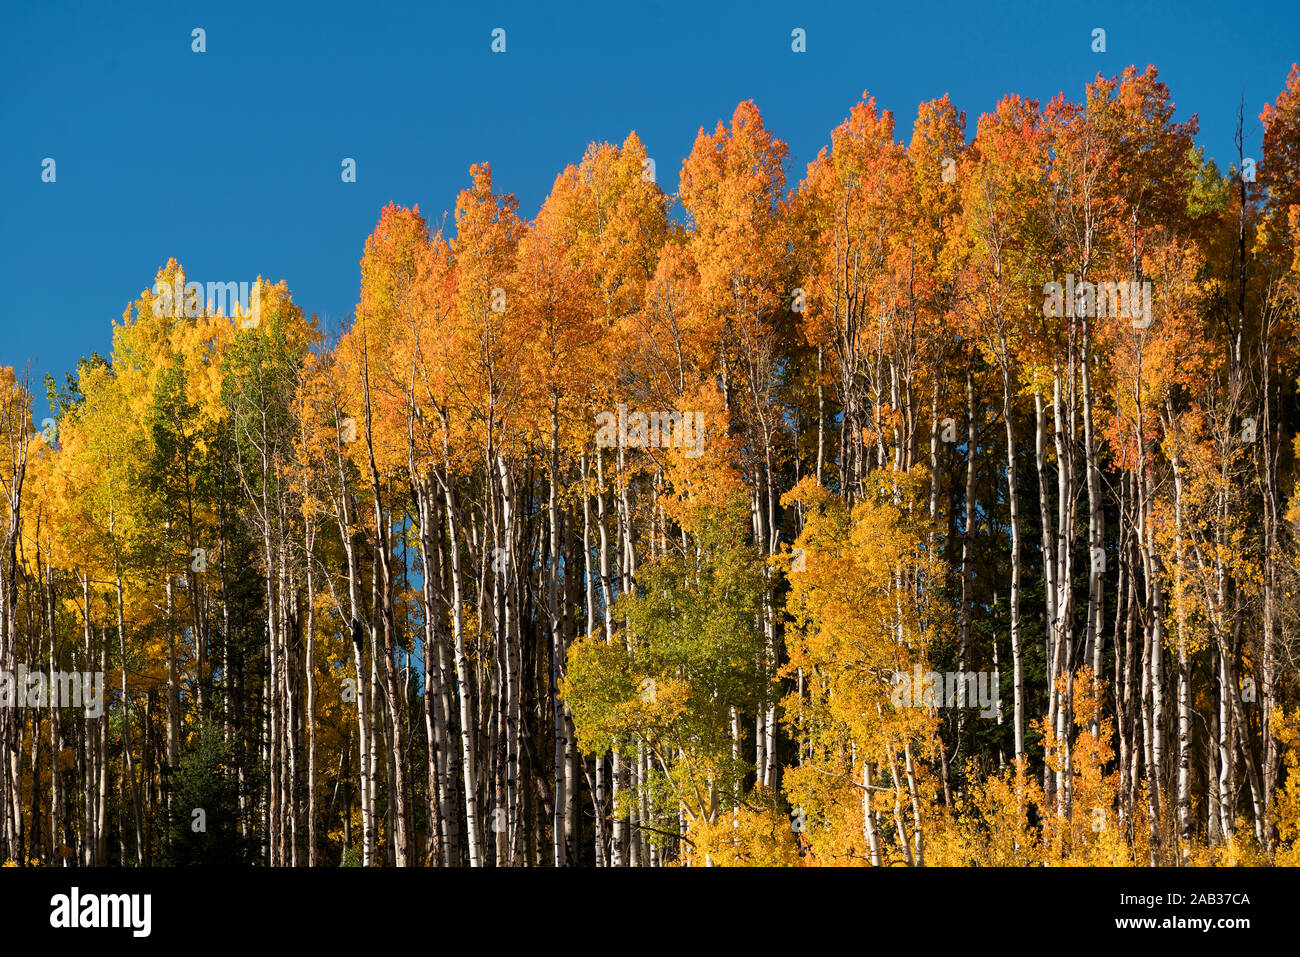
690 651
1207 190
205 781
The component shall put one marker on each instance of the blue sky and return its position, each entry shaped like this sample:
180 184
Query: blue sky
230 160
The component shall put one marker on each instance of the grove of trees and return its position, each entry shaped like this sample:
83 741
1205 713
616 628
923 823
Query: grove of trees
386 595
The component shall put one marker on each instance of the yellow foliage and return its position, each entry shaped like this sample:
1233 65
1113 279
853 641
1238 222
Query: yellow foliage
756 834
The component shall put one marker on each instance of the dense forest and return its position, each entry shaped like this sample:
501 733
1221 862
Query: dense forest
939 507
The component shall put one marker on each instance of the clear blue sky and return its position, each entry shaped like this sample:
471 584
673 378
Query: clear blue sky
229 160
